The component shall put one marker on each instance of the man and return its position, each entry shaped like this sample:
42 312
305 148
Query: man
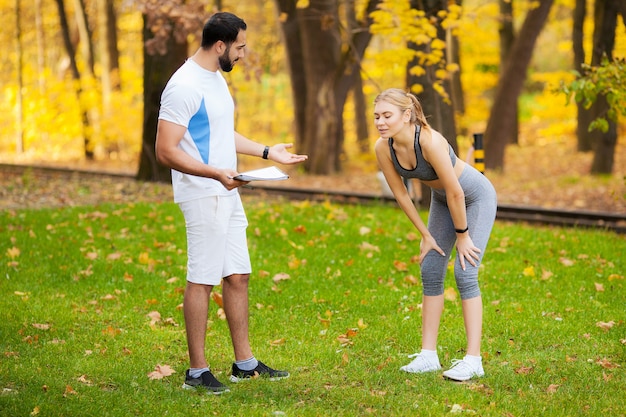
196 138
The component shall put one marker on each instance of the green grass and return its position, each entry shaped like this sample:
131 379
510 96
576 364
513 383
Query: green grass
77 285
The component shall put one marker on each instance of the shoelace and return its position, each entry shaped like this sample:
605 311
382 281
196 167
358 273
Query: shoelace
461 365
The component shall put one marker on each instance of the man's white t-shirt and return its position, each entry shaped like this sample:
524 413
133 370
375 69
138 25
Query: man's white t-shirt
200 100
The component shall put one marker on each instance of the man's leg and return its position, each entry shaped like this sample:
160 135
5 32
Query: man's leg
235 302
196 309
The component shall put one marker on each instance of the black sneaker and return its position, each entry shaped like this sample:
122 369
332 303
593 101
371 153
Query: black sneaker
206 381
261 371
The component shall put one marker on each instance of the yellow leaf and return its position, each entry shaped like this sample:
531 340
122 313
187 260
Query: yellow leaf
361 324
144 258
13 252
529 271
449 294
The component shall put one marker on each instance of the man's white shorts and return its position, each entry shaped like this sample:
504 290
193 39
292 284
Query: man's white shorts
216 238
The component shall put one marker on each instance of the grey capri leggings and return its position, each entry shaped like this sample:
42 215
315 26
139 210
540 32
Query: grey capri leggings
481 205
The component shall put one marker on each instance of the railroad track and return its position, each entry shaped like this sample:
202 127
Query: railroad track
535 215
615 222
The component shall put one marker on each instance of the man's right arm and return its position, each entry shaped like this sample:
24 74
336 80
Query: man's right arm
168 153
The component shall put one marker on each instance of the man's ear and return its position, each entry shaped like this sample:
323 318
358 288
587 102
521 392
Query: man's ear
220 47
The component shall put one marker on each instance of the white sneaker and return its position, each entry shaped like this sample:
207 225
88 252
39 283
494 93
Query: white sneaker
421 364
462 370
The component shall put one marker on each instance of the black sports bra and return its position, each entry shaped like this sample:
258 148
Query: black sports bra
423 170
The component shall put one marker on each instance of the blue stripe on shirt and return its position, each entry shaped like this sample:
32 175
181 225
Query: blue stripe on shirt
200 131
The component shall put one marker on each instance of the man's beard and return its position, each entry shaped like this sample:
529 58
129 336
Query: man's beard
225 63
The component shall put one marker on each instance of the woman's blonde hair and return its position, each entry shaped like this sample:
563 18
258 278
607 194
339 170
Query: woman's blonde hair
404 101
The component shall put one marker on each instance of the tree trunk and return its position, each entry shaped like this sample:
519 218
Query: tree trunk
69 48
503 111
321 77
291 32
319 26
507 37
454 57
19 139
584 116
157 71
108 52
605 24
439 113
360 117
358 98
86 44
41 64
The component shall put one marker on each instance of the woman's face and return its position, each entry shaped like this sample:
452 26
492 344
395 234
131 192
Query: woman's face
389 119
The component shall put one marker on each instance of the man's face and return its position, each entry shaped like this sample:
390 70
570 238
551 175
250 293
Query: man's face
233 52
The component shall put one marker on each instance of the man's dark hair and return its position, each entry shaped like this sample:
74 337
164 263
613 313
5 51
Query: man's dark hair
223 27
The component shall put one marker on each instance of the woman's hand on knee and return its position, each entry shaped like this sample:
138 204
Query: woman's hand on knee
467 251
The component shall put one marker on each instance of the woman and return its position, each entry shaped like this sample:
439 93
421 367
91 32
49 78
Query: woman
462 211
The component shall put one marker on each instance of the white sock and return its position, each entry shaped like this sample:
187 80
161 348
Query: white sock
196 372
247 364
475 361
430 354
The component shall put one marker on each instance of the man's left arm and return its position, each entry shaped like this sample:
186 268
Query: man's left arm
277 153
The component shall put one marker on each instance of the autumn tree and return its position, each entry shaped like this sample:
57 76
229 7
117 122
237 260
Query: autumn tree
167 28
503 112
323 64
601 141
71 52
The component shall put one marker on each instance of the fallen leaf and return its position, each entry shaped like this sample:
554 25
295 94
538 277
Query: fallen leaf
13 252
545 275
399 265
277 342
280 277
524 370
154 317
552 388
300 229
605 363
41 326
449 294
69 391
161 371
364 230
605 325
529 271
217 297
83 380
566 261
368 247
599 287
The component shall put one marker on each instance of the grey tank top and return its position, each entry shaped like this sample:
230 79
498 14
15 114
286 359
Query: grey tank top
423 170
